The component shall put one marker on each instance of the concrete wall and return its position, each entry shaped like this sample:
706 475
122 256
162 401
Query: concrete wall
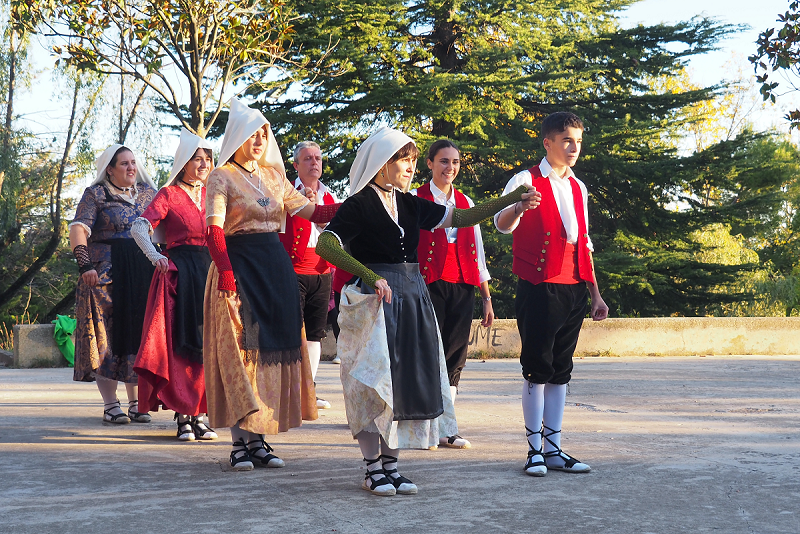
664 336
34 346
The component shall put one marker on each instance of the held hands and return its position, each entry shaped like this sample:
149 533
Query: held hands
383 290
530 200
90 278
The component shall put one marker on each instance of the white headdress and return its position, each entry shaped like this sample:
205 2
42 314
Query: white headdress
105 159
244 121
187 147
373 154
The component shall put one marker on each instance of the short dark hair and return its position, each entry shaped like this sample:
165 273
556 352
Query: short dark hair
439 145
407 150
558 122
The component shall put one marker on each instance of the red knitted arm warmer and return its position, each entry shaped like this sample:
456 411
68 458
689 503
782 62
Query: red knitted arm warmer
215 239
324 214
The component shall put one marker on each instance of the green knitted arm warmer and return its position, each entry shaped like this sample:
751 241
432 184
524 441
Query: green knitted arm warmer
329 249
484 210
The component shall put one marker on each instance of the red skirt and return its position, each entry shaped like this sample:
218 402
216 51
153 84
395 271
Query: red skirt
166 379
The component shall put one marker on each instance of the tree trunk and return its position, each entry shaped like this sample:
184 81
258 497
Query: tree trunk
55 206
9 227
444 50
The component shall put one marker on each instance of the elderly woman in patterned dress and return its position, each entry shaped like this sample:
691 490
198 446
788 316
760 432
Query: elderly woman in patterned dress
110 304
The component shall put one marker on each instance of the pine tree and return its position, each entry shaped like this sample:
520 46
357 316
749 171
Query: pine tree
485 73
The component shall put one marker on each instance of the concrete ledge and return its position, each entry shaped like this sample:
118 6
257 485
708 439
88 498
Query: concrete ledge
34 346
660 336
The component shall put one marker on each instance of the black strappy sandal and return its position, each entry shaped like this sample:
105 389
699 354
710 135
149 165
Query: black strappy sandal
185 429
137 417
119 418
268 460
382 487
201 430
243 462
401 484
534 468
571 465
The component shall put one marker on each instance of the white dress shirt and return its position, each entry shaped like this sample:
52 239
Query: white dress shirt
316 229
440 198
562 191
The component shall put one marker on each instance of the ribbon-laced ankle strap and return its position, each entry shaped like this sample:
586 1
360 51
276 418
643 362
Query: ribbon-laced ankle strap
569 461
261 445
532 451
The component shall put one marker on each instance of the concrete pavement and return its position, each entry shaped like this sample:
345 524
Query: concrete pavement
675 444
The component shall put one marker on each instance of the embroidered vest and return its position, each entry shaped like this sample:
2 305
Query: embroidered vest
540 238
432 250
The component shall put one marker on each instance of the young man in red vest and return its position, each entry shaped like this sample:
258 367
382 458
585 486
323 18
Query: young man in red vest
453 264
552 256
299 240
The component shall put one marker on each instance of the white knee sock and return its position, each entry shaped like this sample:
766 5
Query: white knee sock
108 390
453 393
554 397
133 396
532 411
394 453
314 355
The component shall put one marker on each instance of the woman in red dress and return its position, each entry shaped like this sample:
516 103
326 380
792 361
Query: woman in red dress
170 359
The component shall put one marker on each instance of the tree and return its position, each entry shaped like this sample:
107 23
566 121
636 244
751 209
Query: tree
778 52
485 73
206 48
14 55
85 91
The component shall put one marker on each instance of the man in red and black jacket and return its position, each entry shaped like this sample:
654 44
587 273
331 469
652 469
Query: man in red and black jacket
552 256
299 240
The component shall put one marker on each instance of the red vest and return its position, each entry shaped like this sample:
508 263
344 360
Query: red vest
540 238
298 232
432 248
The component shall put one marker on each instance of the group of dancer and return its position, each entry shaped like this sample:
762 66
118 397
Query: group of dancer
225 318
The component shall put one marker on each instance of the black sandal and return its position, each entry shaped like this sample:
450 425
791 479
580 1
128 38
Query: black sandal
137 417
201 430
119 418
571 465
383 486
269 459
243 462
539 465
400 483
185 429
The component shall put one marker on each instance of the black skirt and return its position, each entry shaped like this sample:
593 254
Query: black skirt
131 274
270 299
192 262
411 333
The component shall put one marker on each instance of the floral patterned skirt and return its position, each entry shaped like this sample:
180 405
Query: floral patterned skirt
241 387
94 353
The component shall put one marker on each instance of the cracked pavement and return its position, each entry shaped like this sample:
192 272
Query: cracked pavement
676 445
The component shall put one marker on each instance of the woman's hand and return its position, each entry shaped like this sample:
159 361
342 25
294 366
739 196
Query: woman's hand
90 278
488 314
162 265
383 290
